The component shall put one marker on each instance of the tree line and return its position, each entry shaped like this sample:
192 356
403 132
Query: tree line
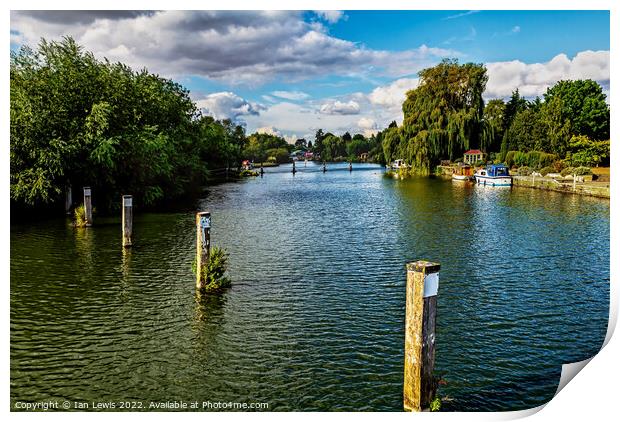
446 115
78 121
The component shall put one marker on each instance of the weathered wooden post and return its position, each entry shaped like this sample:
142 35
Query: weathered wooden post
203 245
127 220
88 206
294 171
420 316
350 167
68 199
574 182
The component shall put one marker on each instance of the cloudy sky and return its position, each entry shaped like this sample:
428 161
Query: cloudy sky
293 72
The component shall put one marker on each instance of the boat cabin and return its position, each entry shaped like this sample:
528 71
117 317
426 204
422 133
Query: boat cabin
497 170
463 170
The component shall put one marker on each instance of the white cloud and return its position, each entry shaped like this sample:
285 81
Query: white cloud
235 47
338 107
460 15
516 29
331 16
227 105
291 95
392 95
534 79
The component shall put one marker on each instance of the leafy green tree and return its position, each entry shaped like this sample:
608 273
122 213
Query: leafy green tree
443 115
79 121
582 103
493 127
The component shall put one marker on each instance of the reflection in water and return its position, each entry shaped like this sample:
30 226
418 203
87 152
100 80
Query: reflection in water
315 317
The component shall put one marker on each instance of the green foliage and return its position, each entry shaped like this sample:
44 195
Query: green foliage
546 170
443 116
566 171
80 121
261 146
79 216
582 171
525 171
435 405
248 173
533 159
582 151
213 273
582 104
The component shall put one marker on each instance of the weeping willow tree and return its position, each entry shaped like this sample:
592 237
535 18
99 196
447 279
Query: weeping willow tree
443 116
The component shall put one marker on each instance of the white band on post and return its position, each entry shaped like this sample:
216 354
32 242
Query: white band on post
431 284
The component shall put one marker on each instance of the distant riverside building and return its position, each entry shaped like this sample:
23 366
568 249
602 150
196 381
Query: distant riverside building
473 156
364 156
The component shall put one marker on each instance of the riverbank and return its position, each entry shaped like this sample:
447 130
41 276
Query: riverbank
597 189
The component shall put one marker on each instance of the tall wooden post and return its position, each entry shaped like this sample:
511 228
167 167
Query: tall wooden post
68 199
574 182
294 171
127 220
88 207
420 316
203 245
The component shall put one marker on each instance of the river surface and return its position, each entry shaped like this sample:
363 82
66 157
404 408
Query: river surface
315 316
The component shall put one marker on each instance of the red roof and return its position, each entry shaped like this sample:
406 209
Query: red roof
473 151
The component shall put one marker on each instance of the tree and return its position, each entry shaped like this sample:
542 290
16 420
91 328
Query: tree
301 143
443 115
79 121
582 103
493 125
318 141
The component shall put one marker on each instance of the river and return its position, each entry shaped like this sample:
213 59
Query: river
314 319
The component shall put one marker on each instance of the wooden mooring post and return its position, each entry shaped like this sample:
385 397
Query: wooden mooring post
68 199
421 311
127 220
203 245
88 206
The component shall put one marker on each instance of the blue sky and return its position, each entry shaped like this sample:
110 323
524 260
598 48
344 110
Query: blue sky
292 72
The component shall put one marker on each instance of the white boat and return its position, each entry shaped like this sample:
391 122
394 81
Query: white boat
461 177
494 175
397 164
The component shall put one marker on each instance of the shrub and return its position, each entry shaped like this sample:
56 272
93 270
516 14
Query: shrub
558 166
213 273
524 171
582 171
79 216
546 170
435 405
566 171
510 160
247 173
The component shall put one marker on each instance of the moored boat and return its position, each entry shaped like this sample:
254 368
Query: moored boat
462 173
396 165
494 175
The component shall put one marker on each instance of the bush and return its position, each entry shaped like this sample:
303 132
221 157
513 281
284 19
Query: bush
79 216
212 273
566 171
558 166
510 158
546 170
247 173
582 171
524 171
435 405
